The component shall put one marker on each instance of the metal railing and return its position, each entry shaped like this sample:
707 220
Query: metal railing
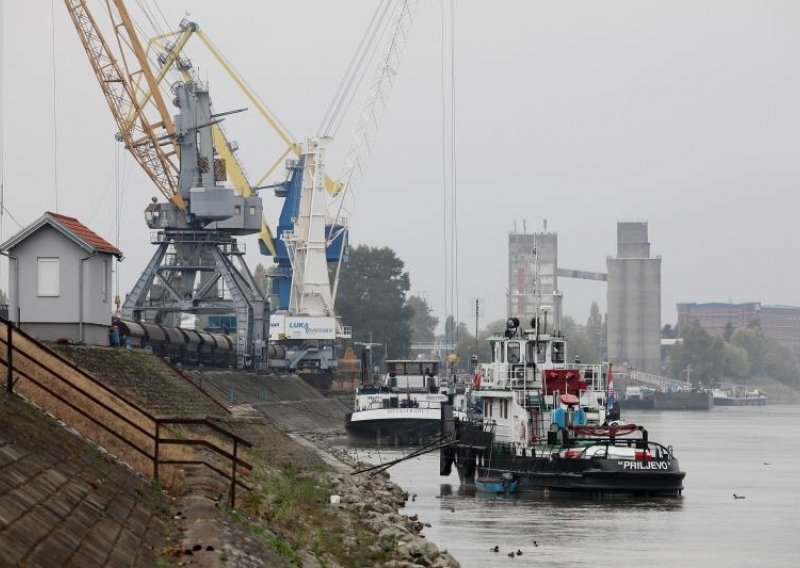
125 413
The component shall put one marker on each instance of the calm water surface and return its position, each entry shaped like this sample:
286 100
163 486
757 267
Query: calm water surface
752 451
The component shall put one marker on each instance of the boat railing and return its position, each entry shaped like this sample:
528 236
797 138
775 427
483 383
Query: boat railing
401 403
649 450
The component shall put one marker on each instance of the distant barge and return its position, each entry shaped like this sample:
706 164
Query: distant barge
641 399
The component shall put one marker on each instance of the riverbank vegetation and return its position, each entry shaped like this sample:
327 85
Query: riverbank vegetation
738 354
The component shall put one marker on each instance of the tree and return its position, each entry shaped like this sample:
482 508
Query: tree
668 332
699 353
466 347
581 341
728 333
752 340
423 323
372 299
262 280
454 333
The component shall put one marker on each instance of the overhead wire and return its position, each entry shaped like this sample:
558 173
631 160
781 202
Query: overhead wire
55 99
365 67
454 162
356 63
449 170
445 240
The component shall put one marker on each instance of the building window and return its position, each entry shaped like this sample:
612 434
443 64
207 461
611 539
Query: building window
47 277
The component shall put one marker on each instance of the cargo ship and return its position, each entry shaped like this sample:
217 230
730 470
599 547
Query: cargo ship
403 405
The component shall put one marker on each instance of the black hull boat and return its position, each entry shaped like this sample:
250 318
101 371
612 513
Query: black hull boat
401 430
596 467
552 426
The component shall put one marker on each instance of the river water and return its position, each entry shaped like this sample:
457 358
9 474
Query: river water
750 451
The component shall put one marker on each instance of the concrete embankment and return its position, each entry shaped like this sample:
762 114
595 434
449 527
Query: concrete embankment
62 500
285 400
363 508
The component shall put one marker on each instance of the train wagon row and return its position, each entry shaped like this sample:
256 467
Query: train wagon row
191 346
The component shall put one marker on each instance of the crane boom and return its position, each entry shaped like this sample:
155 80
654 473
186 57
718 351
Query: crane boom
140 136
369 123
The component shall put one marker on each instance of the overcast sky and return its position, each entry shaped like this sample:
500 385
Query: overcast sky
685 114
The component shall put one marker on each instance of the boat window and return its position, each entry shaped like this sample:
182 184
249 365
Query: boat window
493 350
513 352
398 368
530 351
414 368
541 352
558 352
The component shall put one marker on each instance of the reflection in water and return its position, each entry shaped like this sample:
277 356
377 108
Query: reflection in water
723 452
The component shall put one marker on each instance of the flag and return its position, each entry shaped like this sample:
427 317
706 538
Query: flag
611 397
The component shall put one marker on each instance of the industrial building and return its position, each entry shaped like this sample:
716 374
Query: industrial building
529 285
780 323
634 300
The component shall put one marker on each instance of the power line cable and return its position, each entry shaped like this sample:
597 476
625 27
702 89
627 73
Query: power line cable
445 240
55 100
454 161
355 62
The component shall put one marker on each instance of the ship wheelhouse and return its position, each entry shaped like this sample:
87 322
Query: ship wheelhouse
523 388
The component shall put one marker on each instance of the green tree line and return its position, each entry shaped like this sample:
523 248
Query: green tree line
739 354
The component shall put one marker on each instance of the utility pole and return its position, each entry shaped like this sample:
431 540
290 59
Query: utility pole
477 314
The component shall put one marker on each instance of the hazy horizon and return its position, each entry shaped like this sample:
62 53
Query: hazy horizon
683 114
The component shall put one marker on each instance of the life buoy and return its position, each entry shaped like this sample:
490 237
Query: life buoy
476 381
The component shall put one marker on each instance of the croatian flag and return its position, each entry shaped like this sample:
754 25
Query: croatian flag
611 398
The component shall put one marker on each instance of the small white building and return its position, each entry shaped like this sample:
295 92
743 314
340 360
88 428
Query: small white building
60 280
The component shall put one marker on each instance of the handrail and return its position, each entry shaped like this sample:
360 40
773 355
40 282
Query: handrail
157 438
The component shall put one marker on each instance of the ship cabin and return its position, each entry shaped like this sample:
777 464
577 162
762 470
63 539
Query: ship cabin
412 375
530 383
517 362
408 383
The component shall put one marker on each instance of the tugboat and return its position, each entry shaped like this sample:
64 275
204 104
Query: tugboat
549 424
405 405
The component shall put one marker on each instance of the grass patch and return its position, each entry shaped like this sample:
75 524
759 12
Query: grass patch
295 506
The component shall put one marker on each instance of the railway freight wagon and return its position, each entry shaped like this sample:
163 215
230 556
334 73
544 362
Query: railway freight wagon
177 344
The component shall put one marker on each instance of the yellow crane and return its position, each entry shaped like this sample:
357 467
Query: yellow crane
132 91
145 127
172 55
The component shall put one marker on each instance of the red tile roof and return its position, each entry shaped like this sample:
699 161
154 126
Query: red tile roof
84 233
